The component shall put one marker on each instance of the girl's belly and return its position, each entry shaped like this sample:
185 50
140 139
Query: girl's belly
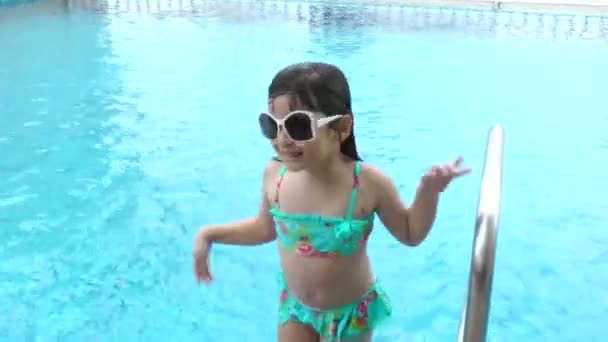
326 283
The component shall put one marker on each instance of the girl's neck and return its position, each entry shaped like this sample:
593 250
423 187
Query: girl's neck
329 171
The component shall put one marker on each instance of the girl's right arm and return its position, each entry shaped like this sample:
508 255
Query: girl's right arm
249 232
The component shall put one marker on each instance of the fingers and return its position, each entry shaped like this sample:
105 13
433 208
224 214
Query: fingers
455 170
456 163
200 260
201 270
461 172
201 266
198 271
439 171
207 274
447 172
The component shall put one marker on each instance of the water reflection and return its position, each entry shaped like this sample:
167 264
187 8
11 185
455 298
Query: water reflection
64 186
337 30
385 17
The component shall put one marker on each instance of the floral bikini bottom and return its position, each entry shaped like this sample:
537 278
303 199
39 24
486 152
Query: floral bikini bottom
348 321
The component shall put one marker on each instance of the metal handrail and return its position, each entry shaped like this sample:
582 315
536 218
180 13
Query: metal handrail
474 321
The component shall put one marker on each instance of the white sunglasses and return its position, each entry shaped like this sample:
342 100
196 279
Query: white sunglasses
299 125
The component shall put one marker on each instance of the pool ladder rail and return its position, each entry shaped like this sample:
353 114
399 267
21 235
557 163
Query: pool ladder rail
474 320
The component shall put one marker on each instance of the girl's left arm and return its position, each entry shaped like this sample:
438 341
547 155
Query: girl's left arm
411 225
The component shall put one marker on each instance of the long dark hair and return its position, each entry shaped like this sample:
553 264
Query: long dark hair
320 87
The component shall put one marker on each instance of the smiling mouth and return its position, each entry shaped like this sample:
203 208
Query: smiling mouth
292 155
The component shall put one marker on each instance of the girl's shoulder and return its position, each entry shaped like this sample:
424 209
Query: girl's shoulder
272 169
377 187
373 174
370 175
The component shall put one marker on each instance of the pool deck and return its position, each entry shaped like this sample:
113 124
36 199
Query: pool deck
593 8
590 7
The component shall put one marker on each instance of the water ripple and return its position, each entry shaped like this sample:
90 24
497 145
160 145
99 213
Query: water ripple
134 130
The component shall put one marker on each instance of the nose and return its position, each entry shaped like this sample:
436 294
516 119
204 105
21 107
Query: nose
282 138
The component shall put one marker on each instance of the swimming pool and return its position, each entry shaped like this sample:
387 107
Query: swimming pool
122 132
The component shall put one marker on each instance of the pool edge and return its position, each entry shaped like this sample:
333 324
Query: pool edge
571 7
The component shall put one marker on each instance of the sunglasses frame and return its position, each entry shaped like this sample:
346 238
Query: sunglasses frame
315 123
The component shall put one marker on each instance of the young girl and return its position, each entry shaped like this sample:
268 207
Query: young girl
319 199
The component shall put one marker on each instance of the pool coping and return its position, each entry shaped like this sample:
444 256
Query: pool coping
589 8
570 7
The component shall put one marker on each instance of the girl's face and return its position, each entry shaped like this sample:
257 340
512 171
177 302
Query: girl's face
324 144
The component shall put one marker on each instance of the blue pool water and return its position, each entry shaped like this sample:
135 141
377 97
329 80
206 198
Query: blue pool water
122 130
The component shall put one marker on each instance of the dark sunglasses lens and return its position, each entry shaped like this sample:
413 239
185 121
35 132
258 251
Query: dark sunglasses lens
298 126
268 126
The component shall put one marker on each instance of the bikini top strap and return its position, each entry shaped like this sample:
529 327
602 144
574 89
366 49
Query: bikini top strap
281 175
355 192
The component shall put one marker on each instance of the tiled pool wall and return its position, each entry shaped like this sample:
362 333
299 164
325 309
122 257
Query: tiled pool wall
7 3
591 7
397 17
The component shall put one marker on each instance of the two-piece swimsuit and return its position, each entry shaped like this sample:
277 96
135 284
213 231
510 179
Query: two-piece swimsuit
318 236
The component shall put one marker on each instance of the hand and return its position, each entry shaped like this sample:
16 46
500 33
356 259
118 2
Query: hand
202 245
440 176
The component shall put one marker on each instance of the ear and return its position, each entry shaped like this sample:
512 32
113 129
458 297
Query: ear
345 127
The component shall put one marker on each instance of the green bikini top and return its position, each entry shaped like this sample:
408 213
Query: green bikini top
314 235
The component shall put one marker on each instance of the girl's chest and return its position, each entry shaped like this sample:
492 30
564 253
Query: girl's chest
300 198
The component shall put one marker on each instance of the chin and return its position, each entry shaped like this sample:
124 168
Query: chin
294 165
